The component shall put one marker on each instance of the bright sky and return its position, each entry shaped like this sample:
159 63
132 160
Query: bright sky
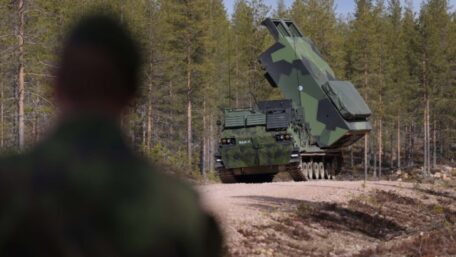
342 6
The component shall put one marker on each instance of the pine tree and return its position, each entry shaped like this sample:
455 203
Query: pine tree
21 5
363 57
245 53
281 10
215 78
317 20
410 92
433 46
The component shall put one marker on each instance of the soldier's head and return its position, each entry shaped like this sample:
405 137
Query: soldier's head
99 67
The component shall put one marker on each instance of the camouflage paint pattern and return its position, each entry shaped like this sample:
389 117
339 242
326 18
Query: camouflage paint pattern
295 66
254 147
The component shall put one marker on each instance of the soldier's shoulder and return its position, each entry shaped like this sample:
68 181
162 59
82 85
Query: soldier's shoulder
177 195
13 162
172 184
14 178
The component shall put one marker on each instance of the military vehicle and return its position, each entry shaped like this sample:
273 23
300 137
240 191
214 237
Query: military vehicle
303 134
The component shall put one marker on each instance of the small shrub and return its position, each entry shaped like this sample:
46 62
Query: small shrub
438 209
305 210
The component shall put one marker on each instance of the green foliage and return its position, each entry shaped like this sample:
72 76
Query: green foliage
317 20
164 157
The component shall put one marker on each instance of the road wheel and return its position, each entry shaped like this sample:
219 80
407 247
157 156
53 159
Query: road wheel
332 169
307 170
304 170
328 170
321 169
315 172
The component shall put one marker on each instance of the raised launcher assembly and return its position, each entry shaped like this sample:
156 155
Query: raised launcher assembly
302 134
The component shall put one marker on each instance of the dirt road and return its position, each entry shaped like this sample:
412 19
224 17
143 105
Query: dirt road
316 218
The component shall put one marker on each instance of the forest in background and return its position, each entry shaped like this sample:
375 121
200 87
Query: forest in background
198 61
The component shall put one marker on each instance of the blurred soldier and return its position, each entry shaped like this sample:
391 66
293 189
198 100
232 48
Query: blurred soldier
82 191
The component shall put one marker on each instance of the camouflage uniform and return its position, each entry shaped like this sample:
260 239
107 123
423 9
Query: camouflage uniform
83 192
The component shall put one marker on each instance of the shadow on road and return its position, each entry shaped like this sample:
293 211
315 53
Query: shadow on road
331 216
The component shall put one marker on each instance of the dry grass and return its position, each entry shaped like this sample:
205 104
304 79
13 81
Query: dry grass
381 223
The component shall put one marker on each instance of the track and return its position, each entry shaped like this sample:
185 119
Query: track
304 171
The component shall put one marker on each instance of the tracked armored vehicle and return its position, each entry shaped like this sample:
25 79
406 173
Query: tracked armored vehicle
302 134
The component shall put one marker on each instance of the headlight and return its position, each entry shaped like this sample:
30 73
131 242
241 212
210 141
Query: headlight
228 141
282 137
294 155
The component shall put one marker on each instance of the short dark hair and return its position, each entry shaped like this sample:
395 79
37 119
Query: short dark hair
106 36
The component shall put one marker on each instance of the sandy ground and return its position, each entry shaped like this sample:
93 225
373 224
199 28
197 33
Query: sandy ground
243 203
255 212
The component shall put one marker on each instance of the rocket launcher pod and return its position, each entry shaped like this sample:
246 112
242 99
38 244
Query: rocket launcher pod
332 111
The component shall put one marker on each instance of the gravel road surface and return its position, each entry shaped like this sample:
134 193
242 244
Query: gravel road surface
243 202
241 208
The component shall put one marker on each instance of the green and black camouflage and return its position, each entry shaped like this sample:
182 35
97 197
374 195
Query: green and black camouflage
323 116
254 145
331 109
83 192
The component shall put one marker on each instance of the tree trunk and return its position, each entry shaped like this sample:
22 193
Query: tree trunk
366 137
189 108
380 121
149 117
204 136
398 155
2 118
407 144
20 78
171 113
412 144
366 144
425 125
229 67
211 145
425 140
428 135
434 146
374 157
392 151
380 148
373 154
236 89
